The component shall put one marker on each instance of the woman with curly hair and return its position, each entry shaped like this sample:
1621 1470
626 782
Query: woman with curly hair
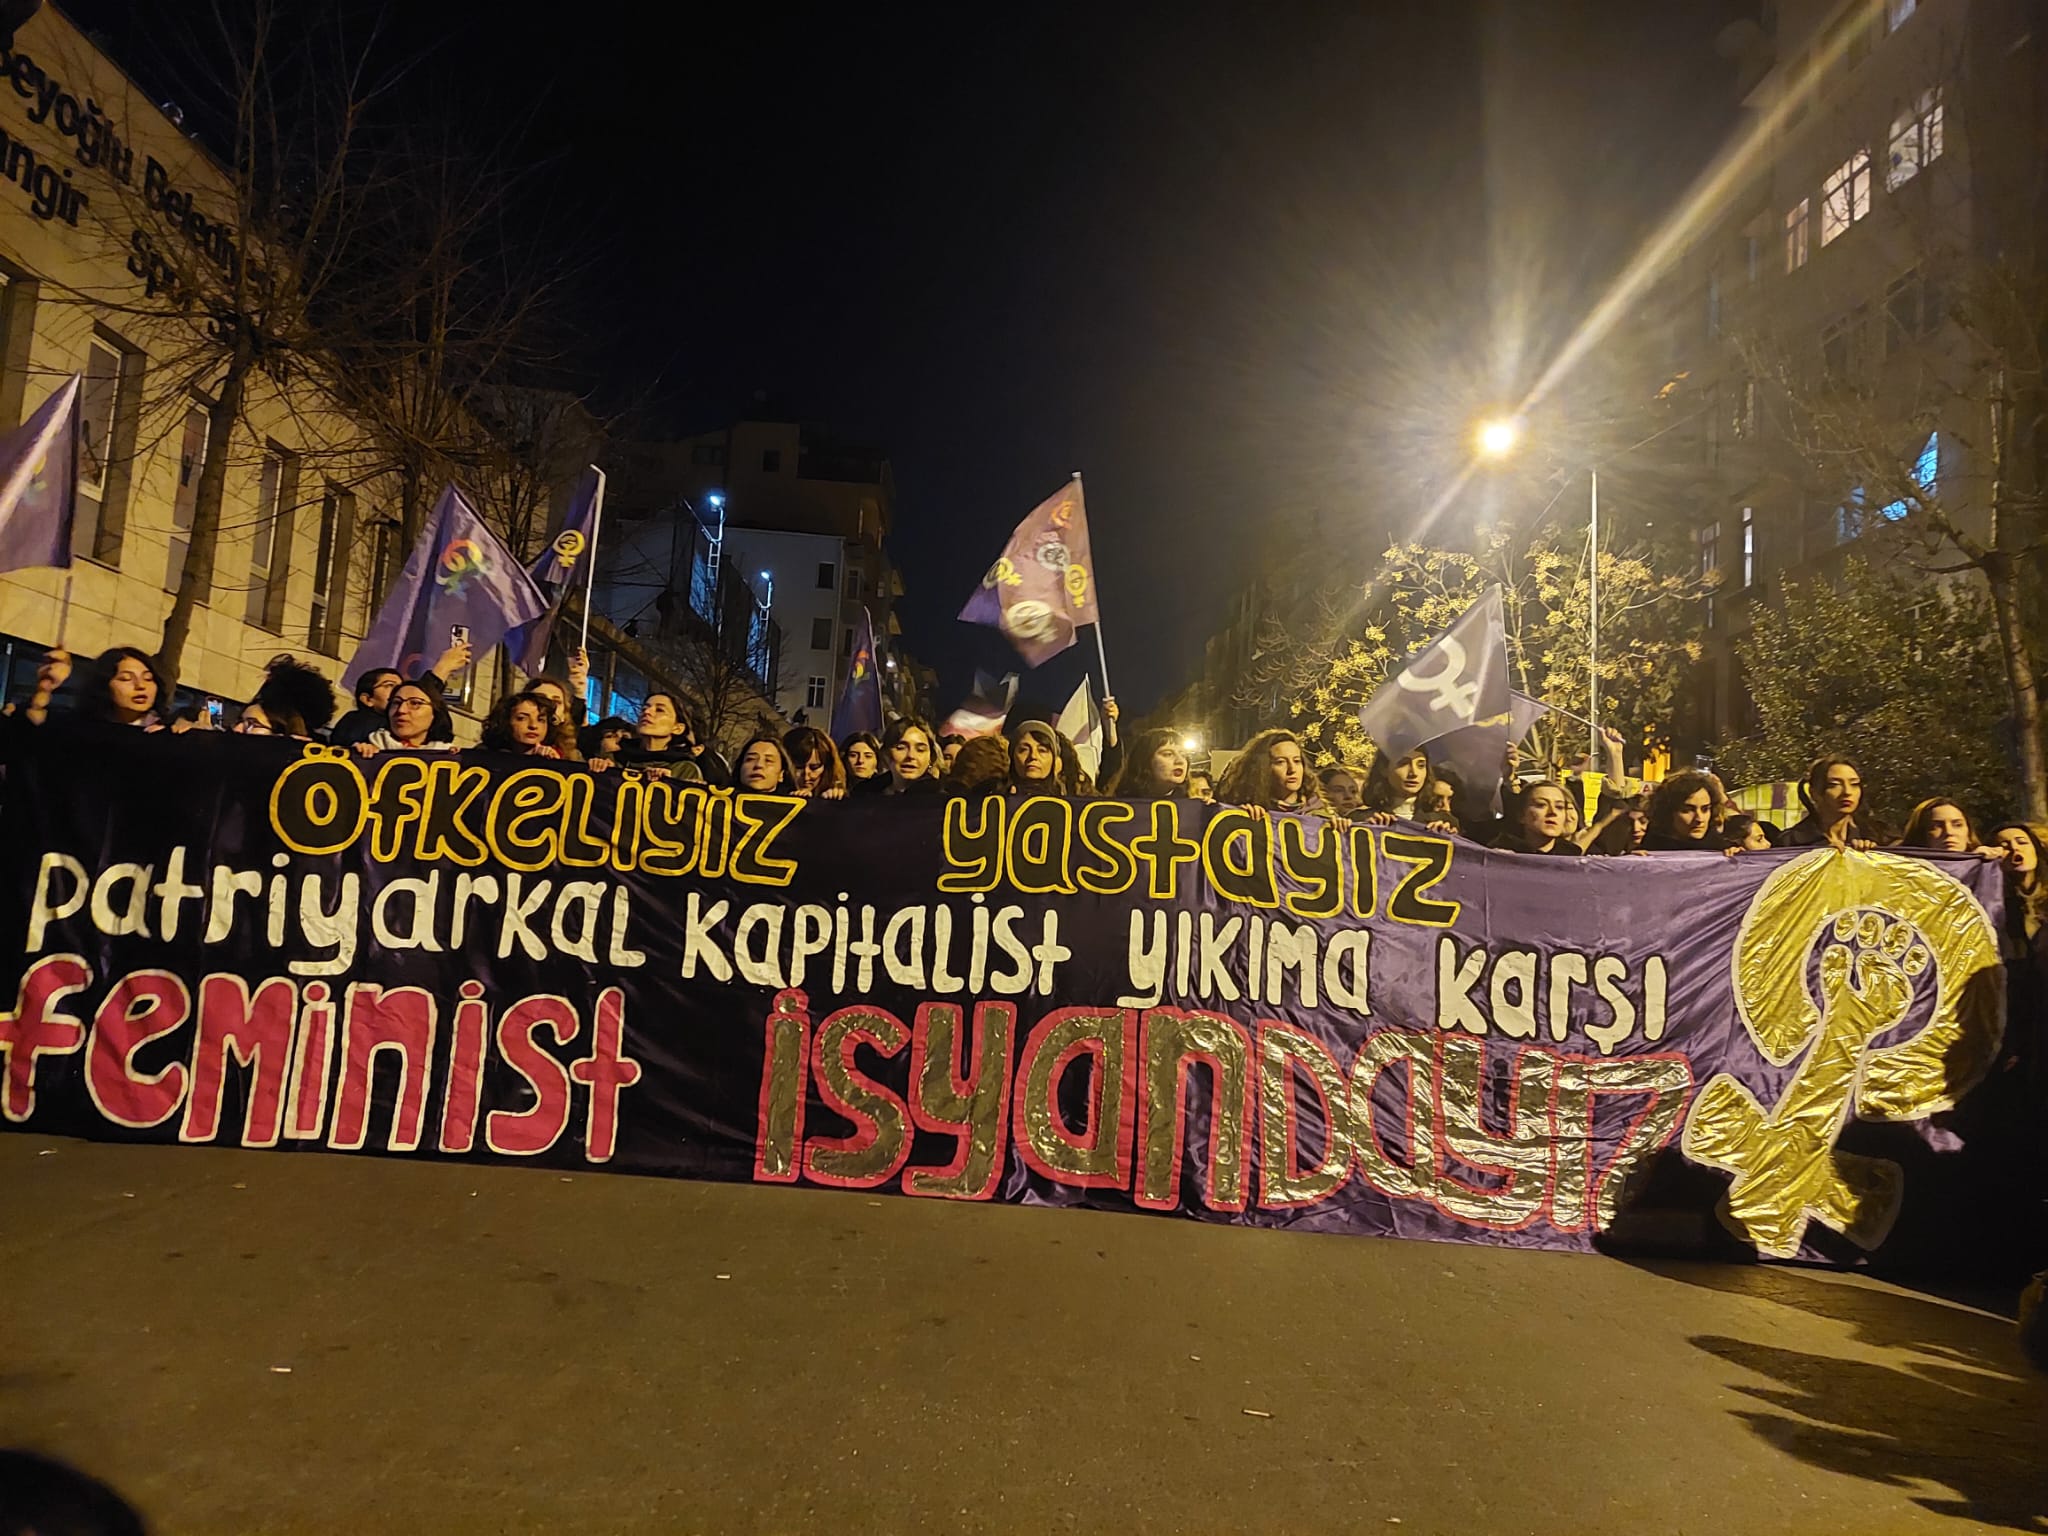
981 768
125 686
293 700
1682 815
522 725
1270 774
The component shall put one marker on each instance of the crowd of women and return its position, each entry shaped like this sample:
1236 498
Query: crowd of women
1527 811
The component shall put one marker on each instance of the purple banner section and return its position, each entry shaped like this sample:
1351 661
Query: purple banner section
1133 1005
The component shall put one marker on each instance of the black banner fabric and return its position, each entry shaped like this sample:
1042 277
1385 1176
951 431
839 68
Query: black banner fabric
1136 1005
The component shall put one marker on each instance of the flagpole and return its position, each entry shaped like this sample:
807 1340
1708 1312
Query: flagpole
1101 655
64 608
590 580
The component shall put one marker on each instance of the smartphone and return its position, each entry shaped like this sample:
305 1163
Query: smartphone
213 713
458 634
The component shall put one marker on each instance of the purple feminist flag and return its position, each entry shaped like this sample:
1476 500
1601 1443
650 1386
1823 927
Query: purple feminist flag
39 484
458 576
1042 587
568 557
860 701
1459 679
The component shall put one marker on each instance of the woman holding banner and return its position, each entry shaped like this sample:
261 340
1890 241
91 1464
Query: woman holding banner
862 753
912 753
1157 769
1270 774
1541 821
819 773
1833 796
1683 813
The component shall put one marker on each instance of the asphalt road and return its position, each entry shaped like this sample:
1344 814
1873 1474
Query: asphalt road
262 1342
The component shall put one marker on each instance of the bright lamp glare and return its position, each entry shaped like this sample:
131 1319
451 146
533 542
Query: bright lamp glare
1191 743
1498 437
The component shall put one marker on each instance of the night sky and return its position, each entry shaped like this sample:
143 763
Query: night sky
1235 262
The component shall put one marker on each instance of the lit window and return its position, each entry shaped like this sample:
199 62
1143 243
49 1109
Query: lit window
1915 141
1896 12
1845 197
1710 548
1797 225
1749 546
814 693
1926 471
1927 468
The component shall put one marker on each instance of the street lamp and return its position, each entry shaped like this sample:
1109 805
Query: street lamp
1497 438
768 602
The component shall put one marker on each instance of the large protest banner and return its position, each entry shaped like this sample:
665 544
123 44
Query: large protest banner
1154 1005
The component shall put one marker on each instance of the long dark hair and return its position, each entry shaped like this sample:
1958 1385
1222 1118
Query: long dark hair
685 727
298 699
1136 780
1668 796
1816 776
2032 899
1378 792
95 703
497 735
